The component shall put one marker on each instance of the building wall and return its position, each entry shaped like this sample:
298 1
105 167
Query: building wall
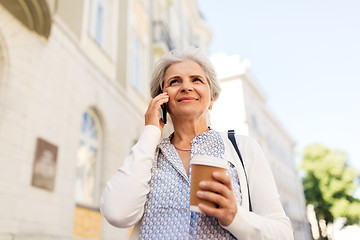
242 106
47 83
278 147
50 85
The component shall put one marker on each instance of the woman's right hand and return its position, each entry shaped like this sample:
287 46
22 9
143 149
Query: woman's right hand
152 114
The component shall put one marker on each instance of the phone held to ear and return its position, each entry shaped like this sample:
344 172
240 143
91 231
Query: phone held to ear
163 112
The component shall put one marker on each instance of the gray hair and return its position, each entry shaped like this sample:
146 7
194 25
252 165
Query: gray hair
179 55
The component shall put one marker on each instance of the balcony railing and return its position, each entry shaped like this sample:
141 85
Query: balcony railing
162 34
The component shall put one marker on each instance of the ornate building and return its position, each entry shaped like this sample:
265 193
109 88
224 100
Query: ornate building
74 79
242 106
73 90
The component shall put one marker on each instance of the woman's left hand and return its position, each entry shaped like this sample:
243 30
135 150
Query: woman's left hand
222 194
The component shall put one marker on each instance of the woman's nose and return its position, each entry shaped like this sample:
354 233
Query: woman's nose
186 86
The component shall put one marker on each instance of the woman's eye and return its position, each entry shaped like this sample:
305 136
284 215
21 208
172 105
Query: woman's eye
197 79
173 81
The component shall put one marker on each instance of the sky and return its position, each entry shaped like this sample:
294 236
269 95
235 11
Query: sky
305 55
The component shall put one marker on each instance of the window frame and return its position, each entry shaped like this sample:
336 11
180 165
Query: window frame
98 129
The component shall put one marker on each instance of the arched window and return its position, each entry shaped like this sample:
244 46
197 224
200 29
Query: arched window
87 217
87 186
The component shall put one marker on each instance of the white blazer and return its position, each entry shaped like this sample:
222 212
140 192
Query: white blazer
123 200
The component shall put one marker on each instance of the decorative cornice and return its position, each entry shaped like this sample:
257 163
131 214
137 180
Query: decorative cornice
34 14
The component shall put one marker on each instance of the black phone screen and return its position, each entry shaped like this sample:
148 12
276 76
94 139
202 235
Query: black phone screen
164 112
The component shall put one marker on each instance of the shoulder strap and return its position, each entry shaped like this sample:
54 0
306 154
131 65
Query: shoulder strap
231 136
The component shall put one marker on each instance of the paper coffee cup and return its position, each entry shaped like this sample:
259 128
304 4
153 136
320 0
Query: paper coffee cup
202 168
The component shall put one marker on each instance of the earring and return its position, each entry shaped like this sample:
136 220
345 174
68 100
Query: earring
210 107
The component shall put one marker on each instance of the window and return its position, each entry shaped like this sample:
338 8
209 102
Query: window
87 217
87 188
137 65
99 24
138 68
98 21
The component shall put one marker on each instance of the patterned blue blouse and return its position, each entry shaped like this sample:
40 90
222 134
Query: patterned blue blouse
167 210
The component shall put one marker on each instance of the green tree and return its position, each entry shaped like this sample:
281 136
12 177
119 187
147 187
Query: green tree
330 184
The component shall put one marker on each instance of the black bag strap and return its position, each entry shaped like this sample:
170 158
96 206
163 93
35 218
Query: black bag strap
231 136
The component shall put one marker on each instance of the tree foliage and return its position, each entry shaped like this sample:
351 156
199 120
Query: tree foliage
330 184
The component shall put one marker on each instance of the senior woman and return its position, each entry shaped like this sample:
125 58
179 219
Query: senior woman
152 189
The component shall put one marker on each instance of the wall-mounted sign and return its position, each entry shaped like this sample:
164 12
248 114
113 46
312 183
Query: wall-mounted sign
44 167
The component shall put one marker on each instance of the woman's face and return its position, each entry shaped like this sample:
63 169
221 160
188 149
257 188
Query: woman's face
188 90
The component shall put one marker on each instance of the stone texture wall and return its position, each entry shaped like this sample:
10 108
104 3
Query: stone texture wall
47 87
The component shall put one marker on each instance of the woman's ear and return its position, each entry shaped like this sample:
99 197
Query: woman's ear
211 102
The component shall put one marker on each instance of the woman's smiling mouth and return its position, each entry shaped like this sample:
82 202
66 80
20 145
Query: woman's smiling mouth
187 99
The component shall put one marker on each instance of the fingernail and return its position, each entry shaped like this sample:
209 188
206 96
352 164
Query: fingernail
200 193
201 205
202 184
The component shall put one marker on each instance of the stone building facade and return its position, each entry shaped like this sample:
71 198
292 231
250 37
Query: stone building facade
242 106
73 90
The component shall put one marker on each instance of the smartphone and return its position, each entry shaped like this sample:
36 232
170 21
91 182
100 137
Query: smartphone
163 112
